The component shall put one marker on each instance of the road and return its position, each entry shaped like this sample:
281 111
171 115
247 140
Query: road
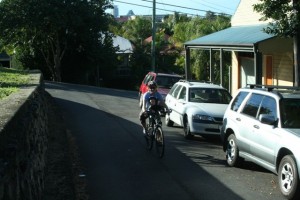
118 166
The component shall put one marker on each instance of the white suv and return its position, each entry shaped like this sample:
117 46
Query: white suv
197 106
262 125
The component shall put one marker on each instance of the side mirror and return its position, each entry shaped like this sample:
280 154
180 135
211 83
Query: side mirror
181 101
267 119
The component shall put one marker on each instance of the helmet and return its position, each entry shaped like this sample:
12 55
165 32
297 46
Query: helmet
152 84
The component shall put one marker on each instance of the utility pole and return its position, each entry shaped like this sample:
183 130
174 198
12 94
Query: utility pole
153 37
296 42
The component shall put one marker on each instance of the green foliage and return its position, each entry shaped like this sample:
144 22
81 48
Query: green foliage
43 32
284 14
11 80
169 51
195 28
136 30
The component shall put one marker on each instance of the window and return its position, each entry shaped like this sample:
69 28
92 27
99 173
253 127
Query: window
148 78
290 109
238 100
268 106
182 93
176 91
172 89
167 81
252 105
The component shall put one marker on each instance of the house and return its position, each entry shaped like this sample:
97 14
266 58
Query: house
125 49
257 57
5 60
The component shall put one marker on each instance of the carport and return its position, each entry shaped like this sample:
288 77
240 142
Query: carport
236 38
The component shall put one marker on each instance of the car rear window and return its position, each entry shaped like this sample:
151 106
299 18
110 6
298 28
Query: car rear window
166 81
209 95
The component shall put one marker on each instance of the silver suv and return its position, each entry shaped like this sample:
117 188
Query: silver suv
262 126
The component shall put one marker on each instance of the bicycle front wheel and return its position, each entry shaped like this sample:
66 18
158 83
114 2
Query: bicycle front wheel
159 142
149 138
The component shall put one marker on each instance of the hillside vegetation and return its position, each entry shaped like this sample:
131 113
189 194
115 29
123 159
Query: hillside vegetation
11 80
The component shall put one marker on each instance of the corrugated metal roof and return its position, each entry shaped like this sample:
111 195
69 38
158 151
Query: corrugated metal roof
233 37
124 45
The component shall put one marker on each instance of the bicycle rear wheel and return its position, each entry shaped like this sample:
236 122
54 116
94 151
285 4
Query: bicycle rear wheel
149 138
159 142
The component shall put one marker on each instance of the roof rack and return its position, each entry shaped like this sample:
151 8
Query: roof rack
272 87
189 81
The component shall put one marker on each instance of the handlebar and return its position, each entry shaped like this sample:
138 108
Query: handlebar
160 109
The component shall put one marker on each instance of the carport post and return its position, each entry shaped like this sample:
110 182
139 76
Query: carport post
221 66
211 75
187 64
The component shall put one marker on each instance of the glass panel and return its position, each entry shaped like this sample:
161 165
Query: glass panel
252 105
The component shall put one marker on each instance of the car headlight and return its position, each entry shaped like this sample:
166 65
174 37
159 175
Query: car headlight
202 118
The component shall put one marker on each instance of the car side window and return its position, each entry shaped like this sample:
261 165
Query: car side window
238 100
252 105
148 78
172 89
182 94
176 91
268 106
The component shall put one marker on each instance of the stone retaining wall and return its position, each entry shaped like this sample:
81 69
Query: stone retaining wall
23 142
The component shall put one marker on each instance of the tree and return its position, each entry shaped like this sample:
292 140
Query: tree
285 23
198 27
50 29
136 30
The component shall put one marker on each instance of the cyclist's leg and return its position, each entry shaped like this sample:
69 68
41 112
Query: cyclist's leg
143 117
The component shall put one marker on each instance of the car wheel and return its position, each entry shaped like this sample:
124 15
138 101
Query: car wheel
232 151
186 128
288 177
168 121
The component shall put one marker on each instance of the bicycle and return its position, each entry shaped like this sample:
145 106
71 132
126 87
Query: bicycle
154 129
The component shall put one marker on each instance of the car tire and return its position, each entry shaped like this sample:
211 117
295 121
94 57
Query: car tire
186 128
168 121
232 151
288 179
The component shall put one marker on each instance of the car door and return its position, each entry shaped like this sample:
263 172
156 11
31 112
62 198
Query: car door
171 100
265 136
247 120
179 105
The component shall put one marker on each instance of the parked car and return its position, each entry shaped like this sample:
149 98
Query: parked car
164 82
262 125
197 106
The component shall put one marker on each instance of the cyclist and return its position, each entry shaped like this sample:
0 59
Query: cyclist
150 98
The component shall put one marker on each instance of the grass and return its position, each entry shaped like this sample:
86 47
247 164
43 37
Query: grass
11 80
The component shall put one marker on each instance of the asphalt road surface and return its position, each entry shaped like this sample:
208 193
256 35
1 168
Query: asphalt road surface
118 166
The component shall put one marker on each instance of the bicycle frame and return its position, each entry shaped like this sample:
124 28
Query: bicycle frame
155 132
154 120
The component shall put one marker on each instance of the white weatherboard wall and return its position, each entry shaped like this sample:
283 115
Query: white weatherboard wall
245 14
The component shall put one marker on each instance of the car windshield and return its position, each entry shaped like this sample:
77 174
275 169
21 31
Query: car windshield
166 81
209 95
290 109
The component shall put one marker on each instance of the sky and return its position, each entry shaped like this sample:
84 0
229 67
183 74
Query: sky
190 7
